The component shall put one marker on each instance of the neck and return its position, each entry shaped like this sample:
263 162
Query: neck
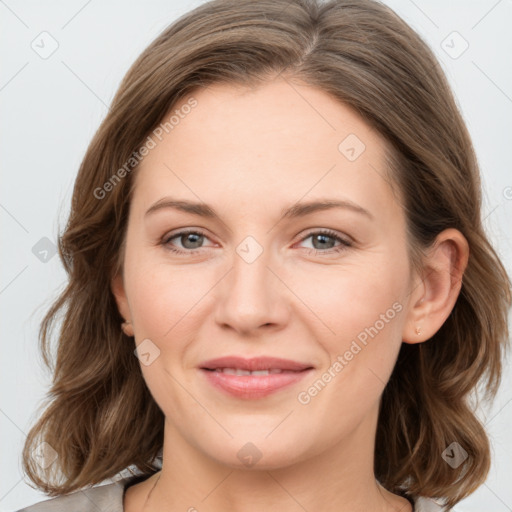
339 479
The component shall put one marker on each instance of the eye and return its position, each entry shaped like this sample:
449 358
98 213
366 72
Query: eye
323 241
191 241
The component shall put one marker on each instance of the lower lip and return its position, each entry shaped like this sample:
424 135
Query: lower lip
253 386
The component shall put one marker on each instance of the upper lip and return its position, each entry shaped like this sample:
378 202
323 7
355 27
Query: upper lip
254 364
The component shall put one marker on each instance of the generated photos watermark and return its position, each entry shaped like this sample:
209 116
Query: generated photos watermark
150 143
361 341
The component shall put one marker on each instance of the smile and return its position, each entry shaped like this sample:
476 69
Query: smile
240 371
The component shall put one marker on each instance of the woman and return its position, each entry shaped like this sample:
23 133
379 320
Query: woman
272 372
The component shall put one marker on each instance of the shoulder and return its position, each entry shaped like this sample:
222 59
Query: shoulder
422 504
107 498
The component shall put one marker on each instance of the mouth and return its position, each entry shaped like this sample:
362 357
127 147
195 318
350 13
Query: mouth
262 363
253 378
240 371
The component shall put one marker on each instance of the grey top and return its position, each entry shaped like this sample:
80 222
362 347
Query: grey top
109 498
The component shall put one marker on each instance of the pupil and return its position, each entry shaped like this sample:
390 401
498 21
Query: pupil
188 239
321 237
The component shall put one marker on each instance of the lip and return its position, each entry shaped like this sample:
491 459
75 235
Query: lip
254 364
253 386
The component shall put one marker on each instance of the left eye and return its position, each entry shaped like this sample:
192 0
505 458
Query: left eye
320 239
191 241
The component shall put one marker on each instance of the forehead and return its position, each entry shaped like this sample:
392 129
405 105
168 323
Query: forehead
277 142
290 117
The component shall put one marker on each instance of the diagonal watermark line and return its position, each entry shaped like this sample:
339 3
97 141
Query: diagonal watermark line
481 19
14 76
494 415
305 194
402 507
280 423
171 328
225 225
76 14
492 211
14 218
13 279
424 13
11 489
376 375
232 267
492 81
309 103
85 84
13 13
287 5
199 403
423 279
301 300
286 491
506 505
95 505
217 486
13 422
398 199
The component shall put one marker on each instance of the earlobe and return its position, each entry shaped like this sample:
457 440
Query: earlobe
127 328
118 290
434 296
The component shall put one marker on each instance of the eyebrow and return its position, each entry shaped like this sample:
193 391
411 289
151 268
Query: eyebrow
294 211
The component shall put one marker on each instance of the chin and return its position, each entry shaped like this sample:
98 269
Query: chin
262 454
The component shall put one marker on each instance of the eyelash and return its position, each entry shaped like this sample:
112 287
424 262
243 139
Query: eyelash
344 244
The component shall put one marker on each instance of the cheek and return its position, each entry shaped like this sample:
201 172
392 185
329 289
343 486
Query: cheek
345 299
161 295
162 304
361 312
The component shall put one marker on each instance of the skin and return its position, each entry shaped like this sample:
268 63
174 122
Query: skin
250 153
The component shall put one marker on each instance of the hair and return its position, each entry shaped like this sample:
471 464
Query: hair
100 417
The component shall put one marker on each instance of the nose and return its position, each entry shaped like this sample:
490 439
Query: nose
251 296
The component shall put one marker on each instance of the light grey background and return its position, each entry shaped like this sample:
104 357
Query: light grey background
52 106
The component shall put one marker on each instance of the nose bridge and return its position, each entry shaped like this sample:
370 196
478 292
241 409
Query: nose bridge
250 296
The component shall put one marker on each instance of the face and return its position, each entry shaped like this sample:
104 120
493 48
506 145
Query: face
327 288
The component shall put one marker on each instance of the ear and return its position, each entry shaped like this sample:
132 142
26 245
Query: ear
118 290
435 292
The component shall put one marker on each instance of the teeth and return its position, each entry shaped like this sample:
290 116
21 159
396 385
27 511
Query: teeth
238 371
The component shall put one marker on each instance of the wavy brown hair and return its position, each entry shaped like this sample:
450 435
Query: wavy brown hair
100 417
